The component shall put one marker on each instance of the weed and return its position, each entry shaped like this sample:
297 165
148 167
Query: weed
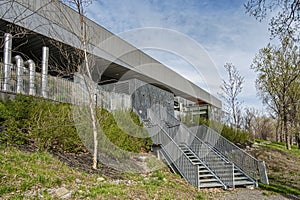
4 189
200 196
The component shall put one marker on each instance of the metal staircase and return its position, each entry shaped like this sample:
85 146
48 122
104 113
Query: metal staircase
206 178
196 159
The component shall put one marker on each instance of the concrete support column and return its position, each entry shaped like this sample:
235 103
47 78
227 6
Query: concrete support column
20 73
31 65
45 72
7 61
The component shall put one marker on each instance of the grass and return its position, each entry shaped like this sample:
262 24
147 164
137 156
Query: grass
279 188
21 173
283 167
280 146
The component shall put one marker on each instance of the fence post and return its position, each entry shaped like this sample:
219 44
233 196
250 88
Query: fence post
198 177
263 172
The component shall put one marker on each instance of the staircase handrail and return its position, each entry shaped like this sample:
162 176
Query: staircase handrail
202 150
251 166
185 166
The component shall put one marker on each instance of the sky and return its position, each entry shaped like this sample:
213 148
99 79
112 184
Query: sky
218 28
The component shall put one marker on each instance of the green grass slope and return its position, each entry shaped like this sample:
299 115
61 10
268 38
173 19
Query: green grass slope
39 175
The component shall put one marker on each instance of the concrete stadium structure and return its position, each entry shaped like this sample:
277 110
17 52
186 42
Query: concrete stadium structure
128 78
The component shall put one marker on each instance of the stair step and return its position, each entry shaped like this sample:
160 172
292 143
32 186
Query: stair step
208 180
202 171
206 175
209 185
217 162
238 174
196 162
244 182
241 178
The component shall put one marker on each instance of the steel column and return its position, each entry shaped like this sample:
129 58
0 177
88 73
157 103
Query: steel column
31 65
45 72
7 61
20 66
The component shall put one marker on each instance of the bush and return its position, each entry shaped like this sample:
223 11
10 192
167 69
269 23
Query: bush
234 135
50 125
124 130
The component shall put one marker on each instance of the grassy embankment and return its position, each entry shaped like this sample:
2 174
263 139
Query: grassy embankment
282 166
37 175
37 135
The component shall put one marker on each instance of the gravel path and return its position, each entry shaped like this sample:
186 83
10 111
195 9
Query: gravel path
247 194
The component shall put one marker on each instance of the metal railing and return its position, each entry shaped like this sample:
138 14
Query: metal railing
252 167
182 135
60 90
183 164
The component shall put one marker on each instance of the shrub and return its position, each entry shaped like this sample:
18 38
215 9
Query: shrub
234 135
124 130
51 126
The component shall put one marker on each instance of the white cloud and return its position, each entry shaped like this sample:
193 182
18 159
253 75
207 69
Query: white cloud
221 27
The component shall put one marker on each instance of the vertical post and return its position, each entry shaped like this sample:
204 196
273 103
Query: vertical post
197 177
7 60
20 66
45 72
233 183
263 172
31 77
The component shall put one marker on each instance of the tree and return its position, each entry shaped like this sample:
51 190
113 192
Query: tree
285 23
86 70
231 89
249 117
278 71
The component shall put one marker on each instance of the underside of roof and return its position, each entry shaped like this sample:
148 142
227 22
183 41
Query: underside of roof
53 24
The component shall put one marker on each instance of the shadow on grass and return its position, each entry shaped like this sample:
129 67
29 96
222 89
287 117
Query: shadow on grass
280 188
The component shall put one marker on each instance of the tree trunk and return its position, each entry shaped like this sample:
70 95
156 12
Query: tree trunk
277 131
298 140
287 135
281 132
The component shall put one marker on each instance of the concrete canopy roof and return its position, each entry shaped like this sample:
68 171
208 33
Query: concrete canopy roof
115 59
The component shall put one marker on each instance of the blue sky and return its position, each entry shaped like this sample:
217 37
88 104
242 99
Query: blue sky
221 27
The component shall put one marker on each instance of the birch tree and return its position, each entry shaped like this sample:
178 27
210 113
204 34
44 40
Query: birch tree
86 68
